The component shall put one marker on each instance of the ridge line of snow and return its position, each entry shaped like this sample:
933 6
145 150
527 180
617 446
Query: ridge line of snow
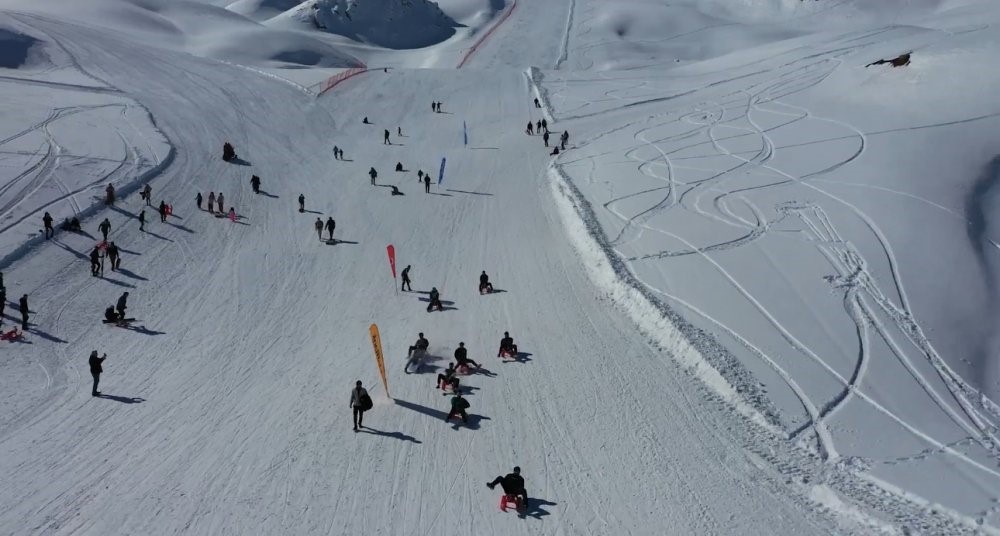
610 275
272 76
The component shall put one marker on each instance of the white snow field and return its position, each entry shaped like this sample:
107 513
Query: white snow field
753 296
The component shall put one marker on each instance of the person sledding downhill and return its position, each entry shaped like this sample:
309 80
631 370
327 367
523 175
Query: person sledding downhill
435 301
513 489
448 379
416 353
507 346
458 407
484 283
462 360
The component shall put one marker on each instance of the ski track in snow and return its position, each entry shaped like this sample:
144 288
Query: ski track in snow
712 188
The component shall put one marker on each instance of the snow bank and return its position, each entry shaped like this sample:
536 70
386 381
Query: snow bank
395 24
261 10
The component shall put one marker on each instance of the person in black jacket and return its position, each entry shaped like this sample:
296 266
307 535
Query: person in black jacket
255 183
448 378
406 279
434 299
462 357
358 394
96 370
507 346
330 226
512 484
114 256
96 265
122 305
427 183
484 283
23 307
47 222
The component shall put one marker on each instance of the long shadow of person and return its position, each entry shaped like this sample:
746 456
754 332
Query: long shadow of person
123 399
395 435
534 508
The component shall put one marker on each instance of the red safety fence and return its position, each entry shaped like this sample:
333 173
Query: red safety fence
472 50
331 82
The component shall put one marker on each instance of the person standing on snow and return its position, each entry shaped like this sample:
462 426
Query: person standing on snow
537 104
22 306
3 302
110 195
427 183
219 200
512 484
95 370
360 403
113 256
330 227
47 222
95 262
122 305
318 225
211 202
142 220
530 130
197 200
399 131
372 173
406 279
104 227
563 138
545 125
255 184
545 138
538 126
385 138
448 378
163 211
302 203
336 153
147 194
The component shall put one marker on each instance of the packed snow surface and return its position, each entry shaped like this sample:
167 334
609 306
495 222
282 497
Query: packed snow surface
755 294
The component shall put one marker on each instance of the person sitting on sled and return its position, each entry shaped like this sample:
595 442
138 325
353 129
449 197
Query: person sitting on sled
507 346
484 283
110 315
512 484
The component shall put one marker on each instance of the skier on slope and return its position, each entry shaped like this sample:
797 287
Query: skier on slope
330 226
512 484
507 346
319 228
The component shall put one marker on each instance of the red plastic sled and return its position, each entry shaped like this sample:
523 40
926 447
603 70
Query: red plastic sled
10 335
506 500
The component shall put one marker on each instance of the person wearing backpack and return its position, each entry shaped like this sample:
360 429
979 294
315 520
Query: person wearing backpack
360 403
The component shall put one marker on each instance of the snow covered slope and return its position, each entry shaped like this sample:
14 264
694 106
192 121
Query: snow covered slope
728 292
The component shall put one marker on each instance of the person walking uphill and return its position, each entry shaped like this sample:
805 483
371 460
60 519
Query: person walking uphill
318 225
211 202
360 403
104 227
96 265
122 305
385 138
406 279
95 370
330 227
163 211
